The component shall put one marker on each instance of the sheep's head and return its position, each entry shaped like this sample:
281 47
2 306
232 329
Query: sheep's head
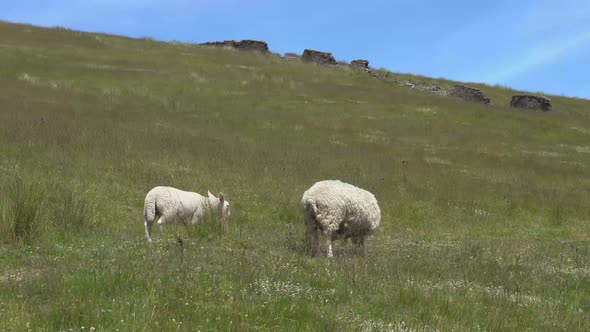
222 205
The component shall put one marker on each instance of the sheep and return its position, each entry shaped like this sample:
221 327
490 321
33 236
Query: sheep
341 211
168 205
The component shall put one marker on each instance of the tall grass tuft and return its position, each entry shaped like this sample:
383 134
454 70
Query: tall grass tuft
22 211
294 240
76 211
72 208
211 227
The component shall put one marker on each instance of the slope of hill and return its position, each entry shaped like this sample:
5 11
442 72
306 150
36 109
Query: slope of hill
485 226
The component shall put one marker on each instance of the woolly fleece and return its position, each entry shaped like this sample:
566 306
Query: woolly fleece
339 210
168 205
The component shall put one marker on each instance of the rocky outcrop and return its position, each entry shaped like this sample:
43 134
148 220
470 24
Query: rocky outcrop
469 94
323 58
434 89
531 102
376 74
291 58
360 64
248 45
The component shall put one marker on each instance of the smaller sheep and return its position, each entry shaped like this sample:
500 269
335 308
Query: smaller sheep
169 205
341 211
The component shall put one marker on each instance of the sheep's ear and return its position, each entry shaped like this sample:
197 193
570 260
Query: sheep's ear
210 194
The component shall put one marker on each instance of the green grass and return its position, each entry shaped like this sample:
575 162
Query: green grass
22 216
485 228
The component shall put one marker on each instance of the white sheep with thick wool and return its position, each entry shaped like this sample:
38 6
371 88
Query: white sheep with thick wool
340 211
166 205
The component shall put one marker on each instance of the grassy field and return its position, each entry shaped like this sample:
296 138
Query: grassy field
486 228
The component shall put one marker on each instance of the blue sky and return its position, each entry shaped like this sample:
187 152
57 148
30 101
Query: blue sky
541 45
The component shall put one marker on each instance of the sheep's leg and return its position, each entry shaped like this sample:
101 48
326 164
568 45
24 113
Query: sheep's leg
198 217
355 244
328 235
149 223
345 244
359 245
161 221
312 239
334 238
362 245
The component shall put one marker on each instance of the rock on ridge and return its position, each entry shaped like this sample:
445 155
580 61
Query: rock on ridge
324 58
468 93
531 102
360 64
248 45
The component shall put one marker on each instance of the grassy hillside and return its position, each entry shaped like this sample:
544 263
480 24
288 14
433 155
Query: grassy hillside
487 226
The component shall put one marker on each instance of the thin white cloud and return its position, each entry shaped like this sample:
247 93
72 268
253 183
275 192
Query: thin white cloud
552 31
540 55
